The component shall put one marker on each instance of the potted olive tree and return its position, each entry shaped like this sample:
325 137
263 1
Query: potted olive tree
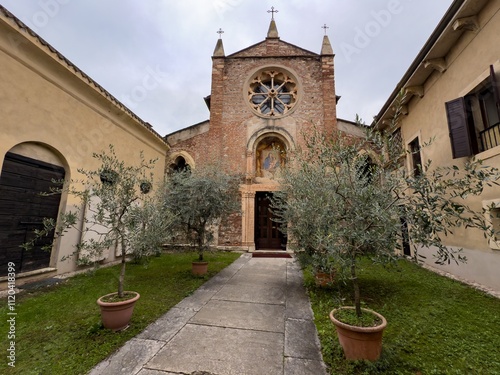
354 193
117 213
199 199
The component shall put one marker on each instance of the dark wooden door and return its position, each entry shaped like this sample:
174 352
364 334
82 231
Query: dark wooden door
22 210
267 233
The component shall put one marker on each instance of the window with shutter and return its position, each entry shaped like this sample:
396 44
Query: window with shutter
495 88
474 120
461 143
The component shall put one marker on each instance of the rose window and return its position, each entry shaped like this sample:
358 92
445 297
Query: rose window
272 93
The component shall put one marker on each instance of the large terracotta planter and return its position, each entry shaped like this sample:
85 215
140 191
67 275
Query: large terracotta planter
360 342
116 315
199 268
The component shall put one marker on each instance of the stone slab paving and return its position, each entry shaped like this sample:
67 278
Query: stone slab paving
252 293
222 351
130 359
242 315
253 318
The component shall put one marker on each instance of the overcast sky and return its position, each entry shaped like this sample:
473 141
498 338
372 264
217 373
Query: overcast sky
155 55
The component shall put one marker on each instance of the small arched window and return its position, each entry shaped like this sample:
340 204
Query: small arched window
179 165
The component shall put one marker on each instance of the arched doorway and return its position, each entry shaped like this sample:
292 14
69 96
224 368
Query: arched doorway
22 210
269 152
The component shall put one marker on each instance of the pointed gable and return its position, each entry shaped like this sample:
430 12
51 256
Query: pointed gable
271 48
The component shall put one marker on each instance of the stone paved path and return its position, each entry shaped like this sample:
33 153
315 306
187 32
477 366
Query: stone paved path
253 318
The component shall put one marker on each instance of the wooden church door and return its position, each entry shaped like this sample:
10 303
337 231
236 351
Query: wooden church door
22 210
267 233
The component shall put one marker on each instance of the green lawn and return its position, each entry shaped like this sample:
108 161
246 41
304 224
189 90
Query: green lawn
58 328
435 325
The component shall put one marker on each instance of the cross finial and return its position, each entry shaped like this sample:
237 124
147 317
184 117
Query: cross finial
272 11
325 27
220 32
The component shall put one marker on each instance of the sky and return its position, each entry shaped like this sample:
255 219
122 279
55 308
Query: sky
155 55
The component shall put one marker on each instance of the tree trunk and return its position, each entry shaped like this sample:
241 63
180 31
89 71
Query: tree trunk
355 284
201 243
122 271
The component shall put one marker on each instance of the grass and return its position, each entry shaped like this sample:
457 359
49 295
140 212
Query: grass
435 325
58 328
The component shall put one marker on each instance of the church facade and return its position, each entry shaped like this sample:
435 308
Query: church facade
263 99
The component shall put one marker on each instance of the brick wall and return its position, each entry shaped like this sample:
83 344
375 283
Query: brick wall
230 231
230 114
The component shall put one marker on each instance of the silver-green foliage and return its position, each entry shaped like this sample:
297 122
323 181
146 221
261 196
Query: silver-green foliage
336 207
200 198
115 212
150 225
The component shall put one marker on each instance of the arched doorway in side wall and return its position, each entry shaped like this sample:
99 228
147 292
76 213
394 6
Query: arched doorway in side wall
267 233
22 210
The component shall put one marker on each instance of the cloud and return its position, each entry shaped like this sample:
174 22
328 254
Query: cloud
121 43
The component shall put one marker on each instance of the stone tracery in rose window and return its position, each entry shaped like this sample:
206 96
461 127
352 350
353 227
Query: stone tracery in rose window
272 93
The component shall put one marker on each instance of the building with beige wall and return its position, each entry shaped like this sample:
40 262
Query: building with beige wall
52 118
452 97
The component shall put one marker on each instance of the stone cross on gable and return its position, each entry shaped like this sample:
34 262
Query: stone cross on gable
272 11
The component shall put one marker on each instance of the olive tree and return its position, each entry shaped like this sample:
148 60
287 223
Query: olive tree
343 198
199 198
117 210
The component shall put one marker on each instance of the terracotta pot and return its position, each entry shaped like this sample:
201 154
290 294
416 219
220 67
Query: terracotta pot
199 268
117 315
360 342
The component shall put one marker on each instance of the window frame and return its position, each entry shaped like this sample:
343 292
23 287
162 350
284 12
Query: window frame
416 158
466 130
493 241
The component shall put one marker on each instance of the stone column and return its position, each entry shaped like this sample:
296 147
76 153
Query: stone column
250 174
248 220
